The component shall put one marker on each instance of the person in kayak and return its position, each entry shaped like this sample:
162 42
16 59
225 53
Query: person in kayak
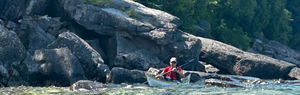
172 70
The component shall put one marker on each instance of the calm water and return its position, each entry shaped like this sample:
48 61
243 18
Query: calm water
142 89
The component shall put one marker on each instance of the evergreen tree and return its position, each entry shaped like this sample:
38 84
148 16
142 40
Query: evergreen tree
183 9
294 7
278 28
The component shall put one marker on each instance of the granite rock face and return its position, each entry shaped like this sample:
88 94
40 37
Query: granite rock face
275 50
91 61
33 35
121 75
148 32
237 62
57 66
14 10
12 53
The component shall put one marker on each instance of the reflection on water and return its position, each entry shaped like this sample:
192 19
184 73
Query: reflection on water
142 89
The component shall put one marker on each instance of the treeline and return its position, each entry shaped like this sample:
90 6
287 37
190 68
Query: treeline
236 22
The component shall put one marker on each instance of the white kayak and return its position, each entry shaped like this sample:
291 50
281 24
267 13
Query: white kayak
152 81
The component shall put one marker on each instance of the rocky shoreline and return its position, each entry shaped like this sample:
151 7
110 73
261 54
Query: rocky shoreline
60 42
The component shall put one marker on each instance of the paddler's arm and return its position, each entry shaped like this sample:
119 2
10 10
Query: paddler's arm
160 74
179 72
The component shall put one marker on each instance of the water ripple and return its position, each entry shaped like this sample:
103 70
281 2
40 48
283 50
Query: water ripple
141 89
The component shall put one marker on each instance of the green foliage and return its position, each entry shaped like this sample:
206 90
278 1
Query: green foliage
260 19
236 21
235 36
184 9
294 8
278 28
131 13
98 2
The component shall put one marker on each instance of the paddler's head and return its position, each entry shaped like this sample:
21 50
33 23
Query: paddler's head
173 62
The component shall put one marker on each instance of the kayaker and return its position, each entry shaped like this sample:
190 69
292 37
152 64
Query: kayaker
172 70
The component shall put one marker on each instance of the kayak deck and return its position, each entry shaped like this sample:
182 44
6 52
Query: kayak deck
152 81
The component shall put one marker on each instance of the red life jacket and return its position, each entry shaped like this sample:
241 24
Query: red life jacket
169 68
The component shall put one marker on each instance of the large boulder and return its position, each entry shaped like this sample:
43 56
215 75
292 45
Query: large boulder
145 14
235 61
203 29
209 68
187 47
91 61
12 50
58 67
121 75
12 53
106 19
10 77
27 68
33 36
276 50
128 56
262 66
50 25
14 9
295 73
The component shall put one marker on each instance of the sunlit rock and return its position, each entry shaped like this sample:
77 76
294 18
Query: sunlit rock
86 85
295 73
237 62
209 68
276 50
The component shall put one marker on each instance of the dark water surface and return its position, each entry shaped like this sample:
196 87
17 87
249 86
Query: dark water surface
143 89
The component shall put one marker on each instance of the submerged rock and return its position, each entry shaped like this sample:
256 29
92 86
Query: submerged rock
86 85
259 81
221 83
209 68
281 81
